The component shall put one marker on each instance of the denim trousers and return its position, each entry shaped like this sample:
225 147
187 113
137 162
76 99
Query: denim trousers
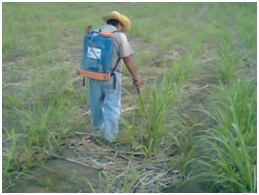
105 104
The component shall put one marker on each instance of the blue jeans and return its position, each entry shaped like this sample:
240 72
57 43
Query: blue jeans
105 104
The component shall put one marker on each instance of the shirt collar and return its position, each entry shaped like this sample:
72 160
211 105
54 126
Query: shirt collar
108 27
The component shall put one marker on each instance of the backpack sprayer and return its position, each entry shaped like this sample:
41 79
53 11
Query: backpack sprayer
96 62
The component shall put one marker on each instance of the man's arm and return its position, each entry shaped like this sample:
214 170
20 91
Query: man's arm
131 68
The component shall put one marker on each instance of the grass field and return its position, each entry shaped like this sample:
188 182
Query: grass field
198 107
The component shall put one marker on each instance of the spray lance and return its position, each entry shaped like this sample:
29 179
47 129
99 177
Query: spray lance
141 100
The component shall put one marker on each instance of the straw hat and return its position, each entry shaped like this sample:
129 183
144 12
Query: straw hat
117 16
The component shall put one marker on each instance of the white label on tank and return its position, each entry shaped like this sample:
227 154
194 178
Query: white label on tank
94 53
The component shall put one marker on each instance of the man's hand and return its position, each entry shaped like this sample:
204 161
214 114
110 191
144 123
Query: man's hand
137 84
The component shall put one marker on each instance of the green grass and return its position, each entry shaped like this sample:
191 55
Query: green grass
190 57
228 160
183 69
245 28
153 117
149 120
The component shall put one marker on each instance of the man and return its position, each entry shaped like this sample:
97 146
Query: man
104 99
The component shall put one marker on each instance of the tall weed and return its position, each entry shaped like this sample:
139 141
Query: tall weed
181 133
228 160
229 61
246 26
153 115
182 69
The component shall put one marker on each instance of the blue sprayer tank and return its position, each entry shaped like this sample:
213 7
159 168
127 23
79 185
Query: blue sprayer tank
97 53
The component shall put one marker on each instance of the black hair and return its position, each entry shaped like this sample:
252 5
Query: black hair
113 22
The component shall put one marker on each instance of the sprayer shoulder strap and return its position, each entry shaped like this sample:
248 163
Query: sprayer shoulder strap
117 63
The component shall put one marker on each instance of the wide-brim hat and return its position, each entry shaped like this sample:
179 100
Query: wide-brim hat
117 16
